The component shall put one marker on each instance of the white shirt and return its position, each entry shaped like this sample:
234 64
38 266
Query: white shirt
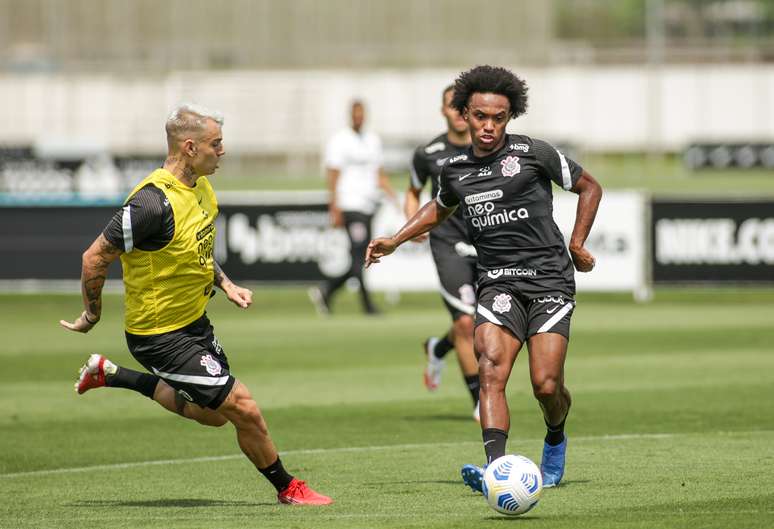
358 158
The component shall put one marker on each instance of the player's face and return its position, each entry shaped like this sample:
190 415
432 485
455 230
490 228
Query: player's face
454 120
358 117
208 149
487 116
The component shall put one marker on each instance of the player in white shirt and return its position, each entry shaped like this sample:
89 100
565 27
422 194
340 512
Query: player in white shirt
353 163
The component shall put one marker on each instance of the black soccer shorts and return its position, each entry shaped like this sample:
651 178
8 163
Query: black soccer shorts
457 275
190 360
502 304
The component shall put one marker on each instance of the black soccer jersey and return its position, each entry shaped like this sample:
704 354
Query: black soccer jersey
426 164
507 203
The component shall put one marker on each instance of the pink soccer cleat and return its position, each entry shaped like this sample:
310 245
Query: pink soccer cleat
299 493
92 374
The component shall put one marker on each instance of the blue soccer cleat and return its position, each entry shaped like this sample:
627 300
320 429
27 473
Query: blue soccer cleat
473 477
552 466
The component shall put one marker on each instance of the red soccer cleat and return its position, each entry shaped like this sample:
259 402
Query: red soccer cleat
92 374
298 493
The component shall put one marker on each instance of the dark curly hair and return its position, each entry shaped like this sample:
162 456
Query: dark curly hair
490 80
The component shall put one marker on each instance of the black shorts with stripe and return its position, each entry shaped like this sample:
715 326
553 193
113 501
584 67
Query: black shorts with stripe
503 304
190 360
457 274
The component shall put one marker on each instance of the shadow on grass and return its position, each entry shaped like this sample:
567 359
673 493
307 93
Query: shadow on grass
168 502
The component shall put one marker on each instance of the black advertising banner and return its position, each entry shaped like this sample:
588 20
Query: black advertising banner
713 241
48 242
275 242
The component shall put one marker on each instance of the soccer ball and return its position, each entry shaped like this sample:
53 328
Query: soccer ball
512 484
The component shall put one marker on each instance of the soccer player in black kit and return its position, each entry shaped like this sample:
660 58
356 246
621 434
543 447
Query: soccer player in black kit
454 256
526 284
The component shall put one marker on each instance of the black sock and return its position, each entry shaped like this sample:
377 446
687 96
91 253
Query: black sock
144 383
555 434
473 386
494 443
277 475
442 347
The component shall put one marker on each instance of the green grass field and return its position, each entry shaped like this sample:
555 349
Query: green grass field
672 423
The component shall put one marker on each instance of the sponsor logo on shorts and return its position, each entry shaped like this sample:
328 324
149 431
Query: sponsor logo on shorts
185 395
211 365
502 303
510 166
550 299
512 272
216 345
484 197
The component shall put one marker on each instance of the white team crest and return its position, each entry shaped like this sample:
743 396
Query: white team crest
502 303
211 365
510 166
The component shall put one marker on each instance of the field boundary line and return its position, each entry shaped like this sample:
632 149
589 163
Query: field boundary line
346 449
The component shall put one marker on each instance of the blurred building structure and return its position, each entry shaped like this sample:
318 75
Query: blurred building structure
605 76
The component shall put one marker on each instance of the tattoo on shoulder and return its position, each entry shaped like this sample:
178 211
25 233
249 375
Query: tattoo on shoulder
107 247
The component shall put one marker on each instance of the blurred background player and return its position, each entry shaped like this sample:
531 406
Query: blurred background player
526 284
353 165
454 256
165 236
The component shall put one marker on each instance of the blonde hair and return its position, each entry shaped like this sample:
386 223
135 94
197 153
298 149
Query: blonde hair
190 117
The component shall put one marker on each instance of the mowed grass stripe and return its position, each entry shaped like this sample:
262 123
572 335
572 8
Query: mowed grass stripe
408 446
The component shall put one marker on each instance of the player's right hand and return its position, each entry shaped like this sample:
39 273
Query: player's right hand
81 324
582 259
378 248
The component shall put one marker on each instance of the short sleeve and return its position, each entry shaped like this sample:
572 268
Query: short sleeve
446 196
141 218
334 155
563 171
418 170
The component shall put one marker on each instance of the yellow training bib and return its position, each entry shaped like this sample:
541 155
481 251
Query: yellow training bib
169 288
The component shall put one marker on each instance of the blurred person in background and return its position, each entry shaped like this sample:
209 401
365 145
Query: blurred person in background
353 165
453 254
526 281
164 236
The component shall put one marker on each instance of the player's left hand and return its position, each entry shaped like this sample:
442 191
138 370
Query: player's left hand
81 324
241 297
582 259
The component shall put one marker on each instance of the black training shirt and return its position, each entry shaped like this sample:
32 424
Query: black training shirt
426 165
145 222
507 203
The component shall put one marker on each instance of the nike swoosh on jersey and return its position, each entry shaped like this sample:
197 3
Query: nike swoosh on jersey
463 177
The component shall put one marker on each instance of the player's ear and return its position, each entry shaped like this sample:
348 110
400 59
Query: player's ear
189 147
465 114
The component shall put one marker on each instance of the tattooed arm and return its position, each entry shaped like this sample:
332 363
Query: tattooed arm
241 297
93 274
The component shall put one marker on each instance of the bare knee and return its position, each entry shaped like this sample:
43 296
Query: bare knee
492 372
241 409
463 326
546 388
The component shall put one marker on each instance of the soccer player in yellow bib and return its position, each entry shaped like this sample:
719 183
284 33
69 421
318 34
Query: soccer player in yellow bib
164 235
